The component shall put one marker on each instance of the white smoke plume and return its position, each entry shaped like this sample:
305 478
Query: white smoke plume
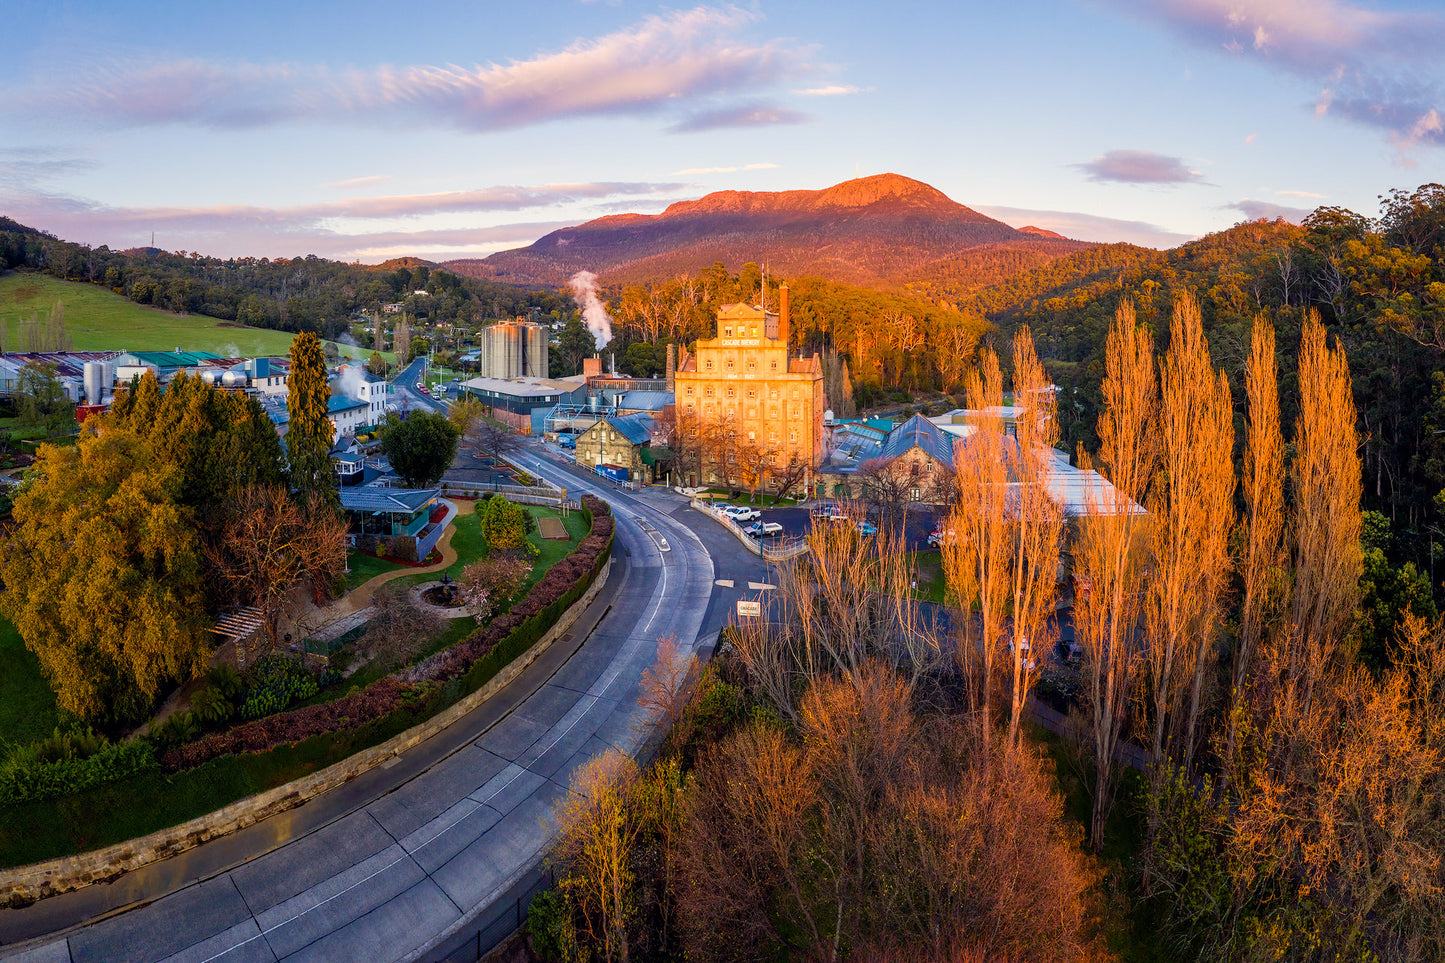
351 382
584 289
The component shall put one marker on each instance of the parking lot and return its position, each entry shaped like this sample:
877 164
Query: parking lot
797 521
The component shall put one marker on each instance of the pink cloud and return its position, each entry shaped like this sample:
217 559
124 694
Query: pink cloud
1140 167
659 64
1376 67
1090 227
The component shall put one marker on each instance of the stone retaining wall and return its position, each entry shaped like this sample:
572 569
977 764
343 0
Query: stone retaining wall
39 880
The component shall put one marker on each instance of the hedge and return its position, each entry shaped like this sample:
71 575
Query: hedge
26 780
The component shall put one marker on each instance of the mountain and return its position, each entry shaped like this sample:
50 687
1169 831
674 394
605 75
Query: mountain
396 263
1042 232
884 231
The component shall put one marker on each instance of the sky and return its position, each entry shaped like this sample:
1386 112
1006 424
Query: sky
366 130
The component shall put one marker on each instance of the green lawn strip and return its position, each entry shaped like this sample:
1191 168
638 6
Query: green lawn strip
144 804
98 319
929 586
27 704
365 567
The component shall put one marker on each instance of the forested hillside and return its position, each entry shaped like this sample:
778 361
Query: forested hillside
288 294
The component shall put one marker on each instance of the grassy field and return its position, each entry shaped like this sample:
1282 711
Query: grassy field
97 319
27 706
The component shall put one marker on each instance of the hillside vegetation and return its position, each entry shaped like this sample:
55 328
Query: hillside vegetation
98 320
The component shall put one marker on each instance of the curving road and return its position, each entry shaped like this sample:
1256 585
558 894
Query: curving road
404 861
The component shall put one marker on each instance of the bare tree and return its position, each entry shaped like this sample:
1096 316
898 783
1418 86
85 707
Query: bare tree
976 549
493 439
1109 553
597 834
1037 521
663 686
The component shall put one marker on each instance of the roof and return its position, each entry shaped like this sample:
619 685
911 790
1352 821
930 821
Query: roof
370 499
339 403
68 364
170 359
635 428
919 432
646 400
526 387
350 457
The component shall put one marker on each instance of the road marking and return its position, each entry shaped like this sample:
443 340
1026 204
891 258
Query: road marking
761 586
724 582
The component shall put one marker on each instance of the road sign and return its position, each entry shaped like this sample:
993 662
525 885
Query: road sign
748 607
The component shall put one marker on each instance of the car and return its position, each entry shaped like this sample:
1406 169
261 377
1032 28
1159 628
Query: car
423 389
936 537
739 513
567 441
828 513
866 528
760 528
1070 651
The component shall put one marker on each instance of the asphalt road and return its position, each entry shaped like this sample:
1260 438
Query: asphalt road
404 393
399 862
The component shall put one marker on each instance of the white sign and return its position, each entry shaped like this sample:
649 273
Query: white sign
748 607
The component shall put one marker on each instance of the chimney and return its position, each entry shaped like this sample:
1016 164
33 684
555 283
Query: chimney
671 367
592 367
783 314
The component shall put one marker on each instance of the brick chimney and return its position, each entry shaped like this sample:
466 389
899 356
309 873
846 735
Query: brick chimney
671 367
783 314
592 367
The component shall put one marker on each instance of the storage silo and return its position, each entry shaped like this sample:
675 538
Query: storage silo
536 354
94 382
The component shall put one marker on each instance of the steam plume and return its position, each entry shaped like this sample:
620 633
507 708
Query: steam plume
584 289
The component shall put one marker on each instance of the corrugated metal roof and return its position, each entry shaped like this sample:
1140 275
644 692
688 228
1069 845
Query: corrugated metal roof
386 499
339 403
646 400
919 432
635 428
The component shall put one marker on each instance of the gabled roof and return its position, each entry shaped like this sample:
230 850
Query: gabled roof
919 432
635 428
386 499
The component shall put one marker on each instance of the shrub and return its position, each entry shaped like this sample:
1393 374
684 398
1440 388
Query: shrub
277 682
33 773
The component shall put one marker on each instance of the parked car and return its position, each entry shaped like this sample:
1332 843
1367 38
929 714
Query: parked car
759 529
567 441
828 513
739 513
937 536
866 528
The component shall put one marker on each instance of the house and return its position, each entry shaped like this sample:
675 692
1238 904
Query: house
388 519
358 383
347 416
617 446
350 467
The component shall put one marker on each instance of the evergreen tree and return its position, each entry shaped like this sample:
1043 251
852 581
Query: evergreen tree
308 435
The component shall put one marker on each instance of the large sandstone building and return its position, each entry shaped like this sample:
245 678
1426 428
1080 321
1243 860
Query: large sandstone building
743 387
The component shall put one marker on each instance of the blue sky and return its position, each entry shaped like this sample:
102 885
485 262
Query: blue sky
368 130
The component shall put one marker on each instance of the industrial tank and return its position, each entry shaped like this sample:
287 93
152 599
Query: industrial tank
234 379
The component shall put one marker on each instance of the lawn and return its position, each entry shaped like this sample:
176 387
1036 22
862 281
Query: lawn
364 567
27 706
97 319
929 586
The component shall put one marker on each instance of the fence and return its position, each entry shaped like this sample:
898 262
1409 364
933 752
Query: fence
778 551
517 493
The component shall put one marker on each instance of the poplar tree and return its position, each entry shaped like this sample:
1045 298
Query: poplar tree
309 433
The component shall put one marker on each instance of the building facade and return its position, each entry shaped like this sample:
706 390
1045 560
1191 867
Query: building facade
743 388
618 442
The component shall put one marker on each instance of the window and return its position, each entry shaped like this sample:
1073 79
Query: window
691 407
752 392
689 391
753 331
752 366
728 331
775 366
708 391
793 435
914 494
752 436
709 365
731 391
730 364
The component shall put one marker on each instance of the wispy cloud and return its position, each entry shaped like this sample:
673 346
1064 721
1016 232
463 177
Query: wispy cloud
328 227
831 90
687 172
663 63
1090 227
1378 67
1139 167
744 115
1307 194
1265 210
359 181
